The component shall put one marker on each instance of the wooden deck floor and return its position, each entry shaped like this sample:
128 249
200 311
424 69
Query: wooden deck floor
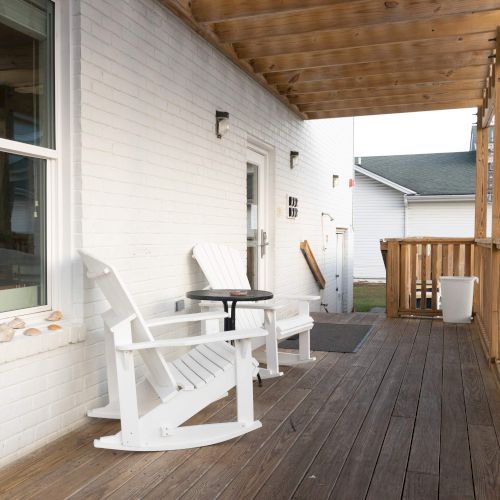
414 414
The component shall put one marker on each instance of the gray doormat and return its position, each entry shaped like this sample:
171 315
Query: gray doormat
333 337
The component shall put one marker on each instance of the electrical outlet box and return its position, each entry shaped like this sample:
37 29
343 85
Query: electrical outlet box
179 305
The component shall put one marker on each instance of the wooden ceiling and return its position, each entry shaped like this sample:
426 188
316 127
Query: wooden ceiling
335 58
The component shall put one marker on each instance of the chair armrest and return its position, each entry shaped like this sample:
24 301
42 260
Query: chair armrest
260 306
186 318
305 298
200 339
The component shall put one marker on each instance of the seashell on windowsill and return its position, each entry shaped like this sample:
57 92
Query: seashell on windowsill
6 332
16 323
54 316
54 327
32 332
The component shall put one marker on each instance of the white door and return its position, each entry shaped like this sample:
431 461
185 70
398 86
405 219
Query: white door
339 285
257 220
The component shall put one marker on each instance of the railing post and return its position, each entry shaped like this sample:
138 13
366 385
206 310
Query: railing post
495 298
481 180
392 278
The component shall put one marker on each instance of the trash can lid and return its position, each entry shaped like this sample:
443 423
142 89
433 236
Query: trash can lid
458 278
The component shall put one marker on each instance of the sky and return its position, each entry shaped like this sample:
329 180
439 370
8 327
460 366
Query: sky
413 133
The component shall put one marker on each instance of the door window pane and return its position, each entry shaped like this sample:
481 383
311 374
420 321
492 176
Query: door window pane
252 224
23 282
27 71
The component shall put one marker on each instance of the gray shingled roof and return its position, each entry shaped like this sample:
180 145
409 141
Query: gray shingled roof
428 174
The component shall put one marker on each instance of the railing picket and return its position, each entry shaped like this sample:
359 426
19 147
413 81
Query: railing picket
456 260
434 275
404 287
445 260
423 278
413 279
468 260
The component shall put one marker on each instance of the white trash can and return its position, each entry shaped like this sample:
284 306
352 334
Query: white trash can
457 293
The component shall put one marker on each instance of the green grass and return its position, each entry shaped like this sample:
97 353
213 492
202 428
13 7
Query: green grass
368 295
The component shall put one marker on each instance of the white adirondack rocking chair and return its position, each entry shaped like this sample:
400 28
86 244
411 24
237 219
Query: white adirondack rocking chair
151 411
224 268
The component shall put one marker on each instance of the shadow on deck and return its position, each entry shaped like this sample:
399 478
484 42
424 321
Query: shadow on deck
414 414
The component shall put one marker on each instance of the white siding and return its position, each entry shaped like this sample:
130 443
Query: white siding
378 212
447 219
151 180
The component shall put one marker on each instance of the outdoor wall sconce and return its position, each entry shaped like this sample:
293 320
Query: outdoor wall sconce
294 159
335 180
221 123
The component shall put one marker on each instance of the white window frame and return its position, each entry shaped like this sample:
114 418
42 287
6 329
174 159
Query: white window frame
53 158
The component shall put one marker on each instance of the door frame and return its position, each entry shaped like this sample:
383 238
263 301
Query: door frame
260 150
343 232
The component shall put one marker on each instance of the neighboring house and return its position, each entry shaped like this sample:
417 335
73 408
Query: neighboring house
410 195
110 146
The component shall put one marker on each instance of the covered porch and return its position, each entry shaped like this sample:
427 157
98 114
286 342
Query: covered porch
415 413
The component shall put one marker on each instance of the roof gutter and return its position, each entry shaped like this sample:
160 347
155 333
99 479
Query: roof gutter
417 198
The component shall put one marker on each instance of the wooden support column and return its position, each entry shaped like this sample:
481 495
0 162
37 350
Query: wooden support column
481 207
481 180
495 224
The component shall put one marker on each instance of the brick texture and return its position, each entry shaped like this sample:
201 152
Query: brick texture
151 180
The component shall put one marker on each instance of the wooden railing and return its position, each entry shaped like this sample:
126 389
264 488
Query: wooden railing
413 268
487 294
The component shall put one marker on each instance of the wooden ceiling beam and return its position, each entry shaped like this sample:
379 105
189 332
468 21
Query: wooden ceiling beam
181 8
214 11
403 90
410 108
393 80
489 99
386 52
467 95
460 24
357 14
444 62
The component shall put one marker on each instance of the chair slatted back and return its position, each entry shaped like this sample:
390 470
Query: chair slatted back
224 268
123 307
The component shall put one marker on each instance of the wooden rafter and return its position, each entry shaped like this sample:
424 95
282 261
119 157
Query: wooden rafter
212 11
402 90
356 14
391 79
435 62
425 98
457 25
406 108
385 52
326 58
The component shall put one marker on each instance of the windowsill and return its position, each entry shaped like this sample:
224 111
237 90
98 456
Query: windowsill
22 346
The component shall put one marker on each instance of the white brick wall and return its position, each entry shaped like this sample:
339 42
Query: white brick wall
151 180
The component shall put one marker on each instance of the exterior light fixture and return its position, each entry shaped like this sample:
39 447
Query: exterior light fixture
221 123
294 159
335 180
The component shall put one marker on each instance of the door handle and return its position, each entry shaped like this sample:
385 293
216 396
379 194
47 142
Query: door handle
264 243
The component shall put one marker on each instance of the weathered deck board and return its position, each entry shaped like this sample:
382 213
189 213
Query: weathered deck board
424 454
414 414
455 465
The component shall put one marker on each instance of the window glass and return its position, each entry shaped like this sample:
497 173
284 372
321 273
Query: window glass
23 281
27 71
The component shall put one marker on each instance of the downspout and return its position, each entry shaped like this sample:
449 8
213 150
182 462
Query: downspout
405 226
